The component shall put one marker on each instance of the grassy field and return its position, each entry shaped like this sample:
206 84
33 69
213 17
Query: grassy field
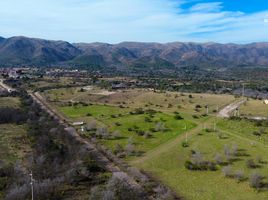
168 101
9 102
106 115
168 166
254 108
14 143
14 146
163 155
51 82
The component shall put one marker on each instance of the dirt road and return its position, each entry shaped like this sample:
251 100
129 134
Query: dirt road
105 161
226 111
6 87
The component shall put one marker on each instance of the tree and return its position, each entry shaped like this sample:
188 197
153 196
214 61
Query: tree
91 125
227 171
130 149
102 132
218 159
116 134
234 149
118 149
239 175
160 126
251 164
197 159
255 180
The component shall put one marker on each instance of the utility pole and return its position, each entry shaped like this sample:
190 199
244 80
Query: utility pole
243 91
185 128
207 109
32 184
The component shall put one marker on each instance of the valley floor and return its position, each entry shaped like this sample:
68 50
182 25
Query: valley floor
130 121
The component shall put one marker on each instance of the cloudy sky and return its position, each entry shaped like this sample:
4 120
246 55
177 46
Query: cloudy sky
113 21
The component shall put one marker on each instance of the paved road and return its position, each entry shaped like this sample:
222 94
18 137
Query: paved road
227 110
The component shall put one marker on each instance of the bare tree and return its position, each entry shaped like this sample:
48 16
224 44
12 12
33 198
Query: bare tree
239 175
197 159
116 134
130 149
218 158
255 180
160 126
227 171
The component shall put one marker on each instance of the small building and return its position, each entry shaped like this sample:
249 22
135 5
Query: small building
78 123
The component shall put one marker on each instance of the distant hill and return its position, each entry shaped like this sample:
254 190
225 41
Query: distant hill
17 51
28 51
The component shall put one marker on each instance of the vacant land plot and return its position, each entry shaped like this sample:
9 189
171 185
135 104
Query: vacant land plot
168 101
13 102
254 108
134 126
14 144
169 167
161 152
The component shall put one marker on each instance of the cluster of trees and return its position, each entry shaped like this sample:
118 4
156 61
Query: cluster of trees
225 160
57 159
12 115
197 162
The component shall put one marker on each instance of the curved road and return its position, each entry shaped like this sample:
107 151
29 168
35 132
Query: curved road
227 110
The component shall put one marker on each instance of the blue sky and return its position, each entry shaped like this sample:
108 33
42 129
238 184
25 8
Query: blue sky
113 21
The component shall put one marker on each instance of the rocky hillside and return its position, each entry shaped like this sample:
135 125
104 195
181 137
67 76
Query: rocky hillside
29 51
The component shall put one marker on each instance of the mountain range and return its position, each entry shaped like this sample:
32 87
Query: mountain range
23 51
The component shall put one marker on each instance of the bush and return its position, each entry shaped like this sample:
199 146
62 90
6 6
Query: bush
147 135
219 159
130 149
118 149
239 175
251 164
178 117
160 127
227 171
184 144
147 119
116 134
255 180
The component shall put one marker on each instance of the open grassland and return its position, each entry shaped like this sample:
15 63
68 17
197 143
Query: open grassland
162 154
246 129
193 104
13 102
169 167
120 120
49 82
14 143
254 108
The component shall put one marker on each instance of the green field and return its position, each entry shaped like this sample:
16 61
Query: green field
14 146
168 166
14 143
104 114
254 108
9 102
162 154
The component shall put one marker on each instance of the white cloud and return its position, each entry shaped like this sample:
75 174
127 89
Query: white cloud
128 20
207 7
